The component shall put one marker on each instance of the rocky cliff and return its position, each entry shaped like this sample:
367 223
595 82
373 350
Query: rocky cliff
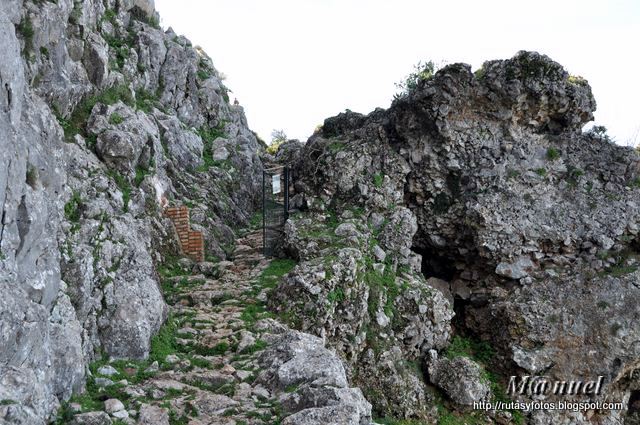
106 119
468 233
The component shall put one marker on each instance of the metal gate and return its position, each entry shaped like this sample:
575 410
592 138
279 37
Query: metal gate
275 208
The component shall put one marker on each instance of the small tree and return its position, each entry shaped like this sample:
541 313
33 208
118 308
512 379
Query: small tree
422 71
278 137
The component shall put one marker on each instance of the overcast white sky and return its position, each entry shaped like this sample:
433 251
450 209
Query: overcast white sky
293 63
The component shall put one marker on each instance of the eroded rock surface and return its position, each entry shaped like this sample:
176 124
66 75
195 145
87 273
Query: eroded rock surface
484 184
104 119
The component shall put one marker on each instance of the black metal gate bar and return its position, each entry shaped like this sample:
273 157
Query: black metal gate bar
275 207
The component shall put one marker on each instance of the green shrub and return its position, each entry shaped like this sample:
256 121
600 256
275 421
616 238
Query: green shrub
422 71
76 123
25 28
121 47
72 208
124 186
577 80
116 119
378 179
553 154
32 176
145 100
208 135
274 147
465 347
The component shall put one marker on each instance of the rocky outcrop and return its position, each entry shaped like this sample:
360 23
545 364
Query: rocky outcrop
358 286
527 224
41 358
105 119
313 376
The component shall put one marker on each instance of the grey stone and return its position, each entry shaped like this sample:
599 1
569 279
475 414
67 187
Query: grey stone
113 405
461 379
107 370
154 367
517 269
246 340
172 359
92 418
221 154
153 415
301 360
103 382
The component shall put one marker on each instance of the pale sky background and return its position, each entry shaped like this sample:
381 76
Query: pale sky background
293 63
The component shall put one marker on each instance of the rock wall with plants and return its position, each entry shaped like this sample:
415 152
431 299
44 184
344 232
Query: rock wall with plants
105 119
473 219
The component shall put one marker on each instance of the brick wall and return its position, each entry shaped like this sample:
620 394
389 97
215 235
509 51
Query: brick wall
192 242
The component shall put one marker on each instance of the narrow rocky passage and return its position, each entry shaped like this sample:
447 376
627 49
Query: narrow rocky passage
214 383
221 358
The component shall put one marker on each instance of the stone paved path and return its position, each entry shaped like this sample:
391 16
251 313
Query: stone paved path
221 360
211 380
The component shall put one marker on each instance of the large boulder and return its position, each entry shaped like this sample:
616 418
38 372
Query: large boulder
461 379
301 362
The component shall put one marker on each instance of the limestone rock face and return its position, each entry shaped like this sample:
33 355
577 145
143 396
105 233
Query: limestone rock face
485 184
104 117
379 316
41 359
321 393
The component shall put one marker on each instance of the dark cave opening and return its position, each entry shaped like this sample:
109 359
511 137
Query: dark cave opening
634 403
435 264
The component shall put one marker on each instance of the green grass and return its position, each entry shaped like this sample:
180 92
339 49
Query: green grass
124 186
619 270
274 271
337 295
254 312
171 289
76 122
378 179
381 283
170 267
466 347
141 173
116 119
145 100
258 346
256 220
209 135
32 176
121 47
393 421
72 208
553 154
269 279
541 172
164 342
25 29
336 147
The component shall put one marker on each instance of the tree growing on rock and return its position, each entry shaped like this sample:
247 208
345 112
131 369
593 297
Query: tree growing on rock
278 137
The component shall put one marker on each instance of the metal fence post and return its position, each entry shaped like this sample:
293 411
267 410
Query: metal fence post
264 216
286 193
